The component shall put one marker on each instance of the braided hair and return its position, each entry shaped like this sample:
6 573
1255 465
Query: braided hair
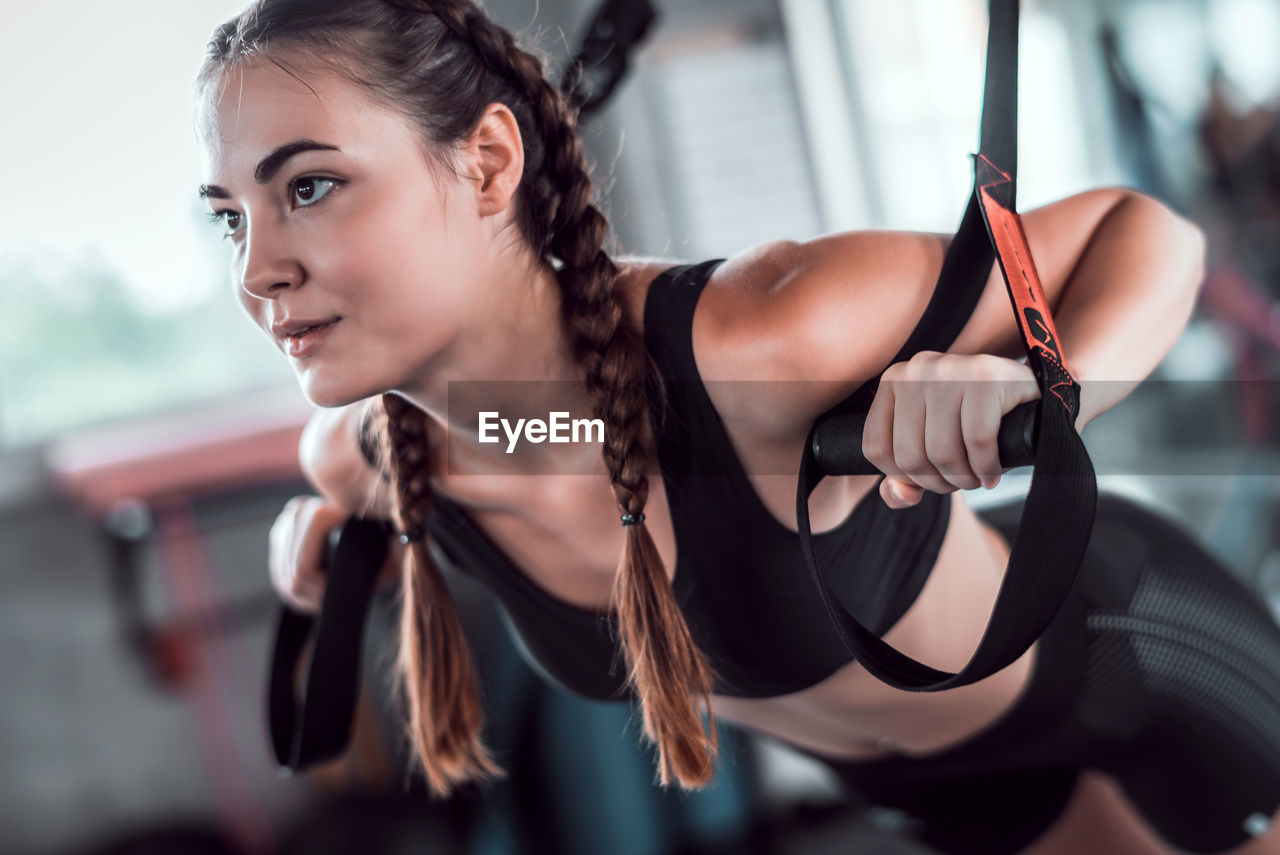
441 63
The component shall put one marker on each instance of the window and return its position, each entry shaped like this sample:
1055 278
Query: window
913 72
729 147
113 295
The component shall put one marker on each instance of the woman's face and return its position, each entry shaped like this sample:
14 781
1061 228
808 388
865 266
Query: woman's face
333 211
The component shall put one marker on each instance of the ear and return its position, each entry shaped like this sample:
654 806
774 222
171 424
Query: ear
495 155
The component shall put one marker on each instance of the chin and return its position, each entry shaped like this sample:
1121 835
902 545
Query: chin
328 395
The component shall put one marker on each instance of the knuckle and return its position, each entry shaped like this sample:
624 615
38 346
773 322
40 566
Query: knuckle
989 369
944 458
911 462
913 369
982 441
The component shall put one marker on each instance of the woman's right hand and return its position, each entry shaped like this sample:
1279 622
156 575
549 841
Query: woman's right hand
297 547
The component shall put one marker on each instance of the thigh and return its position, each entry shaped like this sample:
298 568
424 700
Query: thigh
1184 675
1099 820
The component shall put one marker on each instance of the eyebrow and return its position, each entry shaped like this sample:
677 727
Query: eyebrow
269 165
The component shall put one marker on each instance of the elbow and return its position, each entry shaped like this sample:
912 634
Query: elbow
1187 243
1175 236
1191 244
1198 243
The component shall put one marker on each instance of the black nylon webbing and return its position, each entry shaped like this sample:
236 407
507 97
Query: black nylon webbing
314 724
1057 516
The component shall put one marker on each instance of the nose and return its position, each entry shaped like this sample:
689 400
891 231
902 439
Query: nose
269 265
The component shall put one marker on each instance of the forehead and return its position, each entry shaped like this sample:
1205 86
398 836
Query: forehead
255 106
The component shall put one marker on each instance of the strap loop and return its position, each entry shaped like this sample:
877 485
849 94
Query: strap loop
1057 517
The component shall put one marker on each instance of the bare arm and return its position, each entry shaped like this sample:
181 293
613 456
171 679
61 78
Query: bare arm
837 308
1128 299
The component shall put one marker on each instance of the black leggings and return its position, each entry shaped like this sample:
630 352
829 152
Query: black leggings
1162 670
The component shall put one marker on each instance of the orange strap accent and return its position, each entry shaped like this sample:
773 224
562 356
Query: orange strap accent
1030 305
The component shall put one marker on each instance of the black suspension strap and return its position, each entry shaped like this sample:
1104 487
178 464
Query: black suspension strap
615 31
313 724
1057 517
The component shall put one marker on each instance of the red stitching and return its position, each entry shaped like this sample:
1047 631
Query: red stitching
1013 247
1007 178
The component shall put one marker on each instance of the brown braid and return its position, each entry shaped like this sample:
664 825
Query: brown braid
445 717
666 669
420 56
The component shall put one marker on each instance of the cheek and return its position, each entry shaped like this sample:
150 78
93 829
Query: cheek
401 254
368 241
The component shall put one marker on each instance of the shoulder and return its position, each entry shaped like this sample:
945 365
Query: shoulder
812 320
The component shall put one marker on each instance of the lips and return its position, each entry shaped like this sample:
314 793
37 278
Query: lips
308 338
298 326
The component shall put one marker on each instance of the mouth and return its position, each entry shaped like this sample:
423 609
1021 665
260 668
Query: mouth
304 339
294 328
302 332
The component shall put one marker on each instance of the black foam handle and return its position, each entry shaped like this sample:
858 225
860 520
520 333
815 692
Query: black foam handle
837 441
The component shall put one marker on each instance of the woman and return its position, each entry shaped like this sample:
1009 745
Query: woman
401 177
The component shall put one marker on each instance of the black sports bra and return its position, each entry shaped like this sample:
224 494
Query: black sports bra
740 578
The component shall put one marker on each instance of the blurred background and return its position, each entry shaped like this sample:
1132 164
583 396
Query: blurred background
148 431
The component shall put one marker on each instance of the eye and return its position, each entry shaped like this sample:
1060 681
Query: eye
310 189
232 220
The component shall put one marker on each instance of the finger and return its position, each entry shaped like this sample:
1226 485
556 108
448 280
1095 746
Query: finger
909 454
318 519
295 532
944 439
980 424
279 566
1024 389
900 494
295 592
877 431
306 596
